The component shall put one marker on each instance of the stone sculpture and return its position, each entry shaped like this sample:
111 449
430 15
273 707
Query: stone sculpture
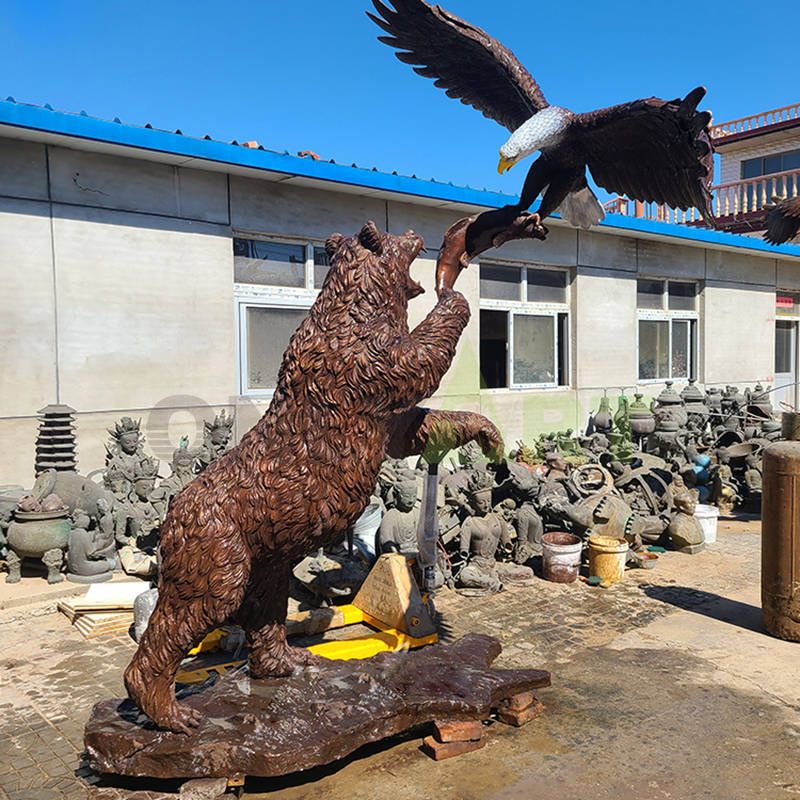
398 530
684 530
481 534
125 453
182 471
39 530
91 555
216 440
305 472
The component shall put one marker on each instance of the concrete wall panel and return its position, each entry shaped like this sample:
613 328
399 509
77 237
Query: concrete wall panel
671 260
605 335
788 274
738 334
740 268
145 313
268 207
23 169
27 323
18 436
131 184
559 249
604 250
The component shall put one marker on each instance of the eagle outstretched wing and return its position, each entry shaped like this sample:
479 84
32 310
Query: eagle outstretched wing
783 221
465 61
651 150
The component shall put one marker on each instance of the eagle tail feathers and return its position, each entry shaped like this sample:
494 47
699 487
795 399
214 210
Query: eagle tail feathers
582 209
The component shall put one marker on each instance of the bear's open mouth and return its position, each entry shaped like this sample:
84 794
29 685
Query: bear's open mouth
414 246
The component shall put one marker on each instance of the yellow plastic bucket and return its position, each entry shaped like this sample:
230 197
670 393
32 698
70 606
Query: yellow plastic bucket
607 557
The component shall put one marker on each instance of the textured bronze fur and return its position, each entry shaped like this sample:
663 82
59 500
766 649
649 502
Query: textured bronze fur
346 395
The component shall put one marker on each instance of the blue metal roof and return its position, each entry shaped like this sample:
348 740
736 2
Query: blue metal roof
81 126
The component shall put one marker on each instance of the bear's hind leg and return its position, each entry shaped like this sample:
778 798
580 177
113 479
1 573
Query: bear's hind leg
172 631
263 618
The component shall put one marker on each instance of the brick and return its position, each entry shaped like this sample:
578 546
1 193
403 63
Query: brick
518 702
439 751
458 731
520 718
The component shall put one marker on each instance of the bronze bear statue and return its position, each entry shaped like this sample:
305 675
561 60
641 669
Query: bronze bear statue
346 398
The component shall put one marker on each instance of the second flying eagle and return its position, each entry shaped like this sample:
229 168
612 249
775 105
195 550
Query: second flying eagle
650 150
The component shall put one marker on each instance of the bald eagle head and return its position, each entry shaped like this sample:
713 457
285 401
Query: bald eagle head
543 129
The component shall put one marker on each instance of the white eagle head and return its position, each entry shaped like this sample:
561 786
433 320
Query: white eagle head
543 129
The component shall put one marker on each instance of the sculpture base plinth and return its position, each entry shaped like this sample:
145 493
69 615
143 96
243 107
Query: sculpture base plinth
316 716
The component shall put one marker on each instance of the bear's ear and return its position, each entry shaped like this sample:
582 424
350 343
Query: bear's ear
333 243
370 237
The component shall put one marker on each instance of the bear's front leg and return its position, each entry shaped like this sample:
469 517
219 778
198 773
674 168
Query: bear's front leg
430 433
263 618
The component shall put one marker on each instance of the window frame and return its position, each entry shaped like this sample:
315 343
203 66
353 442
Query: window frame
523 307
666 314
253 295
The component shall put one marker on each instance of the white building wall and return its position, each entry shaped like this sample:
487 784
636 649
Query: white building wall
118 299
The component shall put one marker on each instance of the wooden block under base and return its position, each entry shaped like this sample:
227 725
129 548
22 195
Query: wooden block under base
439 751
518 702
520 718
457 731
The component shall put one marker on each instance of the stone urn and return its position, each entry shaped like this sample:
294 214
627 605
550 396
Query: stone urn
714 405
671 401
664 437
695 402
41 535
758 400
603 419
643 421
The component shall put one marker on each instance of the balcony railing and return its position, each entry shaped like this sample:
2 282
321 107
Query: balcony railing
730 200
762 120
753 194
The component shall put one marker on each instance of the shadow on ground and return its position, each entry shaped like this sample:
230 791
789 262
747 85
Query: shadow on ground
708 604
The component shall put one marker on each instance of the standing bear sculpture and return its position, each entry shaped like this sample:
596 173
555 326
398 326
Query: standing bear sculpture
346 397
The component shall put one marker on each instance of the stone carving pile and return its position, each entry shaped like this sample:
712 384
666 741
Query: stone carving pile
71 522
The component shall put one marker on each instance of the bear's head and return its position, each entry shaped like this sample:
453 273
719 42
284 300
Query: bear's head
370 272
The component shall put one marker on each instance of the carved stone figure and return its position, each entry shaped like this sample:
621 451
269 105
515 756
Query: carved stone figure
522 486
481 535
393 473
398 531
182 470
90 557
216 440
346 395
752 476
684 529
125 453
724 492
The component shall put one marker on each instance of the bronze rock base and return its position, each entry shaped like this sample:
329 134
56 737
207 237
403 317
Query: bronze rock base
316 716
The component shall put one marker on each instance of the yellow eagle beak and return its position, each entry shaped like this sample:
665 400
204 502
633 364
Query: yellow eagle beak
505 164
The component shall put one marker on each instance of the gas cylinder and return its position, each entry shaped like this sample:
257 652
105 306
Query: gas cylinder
780 539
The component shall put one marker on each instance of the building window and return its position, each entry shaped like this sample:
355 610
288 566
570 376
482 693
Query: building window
266 331
667 317
275 283
787 303
769 165
524 327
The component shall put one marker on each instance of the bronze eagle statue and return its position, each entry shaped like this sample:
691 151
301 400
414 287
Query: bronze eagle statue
783 221
650 150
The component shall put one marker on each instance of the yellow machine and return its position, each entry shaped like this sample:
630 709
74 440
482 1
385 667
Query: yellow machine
389 601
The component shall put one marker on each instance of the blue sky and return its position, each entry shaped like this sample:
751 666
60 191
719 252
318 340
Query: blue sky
310 74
